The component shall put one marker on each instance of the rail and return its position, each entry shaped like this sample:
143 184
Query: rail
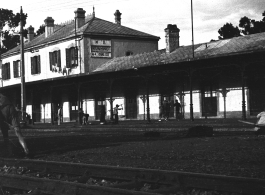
77 178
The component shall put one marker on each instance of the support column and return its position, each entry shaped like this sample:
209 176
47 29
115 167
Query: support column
191 97
181 95
79 103
52 107
224 92
147 99
143 99
244 116
32 108
111 99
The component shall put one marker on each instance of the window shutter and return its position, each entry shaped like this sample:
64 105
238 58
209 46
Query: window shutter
32 65
38 63
68 61
59 58
15 69
8 70
51 59
4 71
76 56
19 68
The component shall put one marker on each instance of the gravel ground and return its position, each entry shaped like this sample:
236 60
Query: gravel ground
231 155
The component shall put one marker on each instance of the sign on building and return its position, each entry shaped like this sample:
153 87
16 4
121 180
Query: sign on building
101 48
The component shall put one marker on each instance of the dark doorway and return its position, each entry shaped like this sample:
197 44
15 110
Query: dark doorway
131 107
170 99
256 101
36 113
209 105
73 111
100 105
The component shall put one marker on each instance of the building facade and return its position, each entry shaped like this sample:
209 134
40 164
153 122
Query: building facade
94 64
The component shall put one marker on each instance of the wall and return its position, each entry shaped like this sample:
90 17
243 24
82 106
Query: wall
46 73
118 48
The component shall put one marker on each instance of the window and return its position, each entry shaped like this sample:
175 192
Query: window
16 68
35 65
71 57
55 61
6 71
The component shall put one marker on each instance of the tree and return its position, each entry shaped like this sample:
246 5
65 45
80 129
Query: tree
247 27
40 30
10 38
228 31
251 26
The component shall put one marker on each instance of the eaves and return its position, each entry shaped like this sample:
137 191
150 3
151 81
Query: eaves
42 45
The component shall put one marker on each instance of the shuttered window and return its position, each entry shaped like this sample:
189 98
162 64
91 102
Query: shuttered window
71 57
35 65
16 68
6 71
55 59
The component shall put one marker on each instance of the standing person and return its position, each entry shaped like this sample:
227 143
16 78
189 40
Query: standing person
115 113
178 106
85 119
60 114
9 119
80 115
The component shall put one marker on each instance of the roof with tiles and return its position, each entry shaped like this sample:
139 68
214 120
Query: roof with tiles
93 26
237 45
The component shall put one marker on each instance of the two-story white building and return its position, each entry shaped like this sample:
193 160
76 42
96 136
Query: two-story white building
66 51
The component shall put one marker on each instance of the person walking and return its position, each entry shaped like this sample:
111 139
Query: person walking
177 107
9 120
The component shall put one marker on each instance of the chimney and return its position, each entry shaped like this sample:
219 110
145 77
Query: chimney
30 33
172 37
117 15
79 17
49 26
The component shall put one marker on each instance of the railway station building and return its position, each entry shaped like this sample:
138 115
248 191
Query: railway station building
94 64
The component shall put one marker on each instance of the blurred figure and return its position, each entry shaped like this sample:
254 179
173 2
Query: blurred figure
166 109
85 119
102 114
178 106
60 115
261 119
9 120
116 114
80 116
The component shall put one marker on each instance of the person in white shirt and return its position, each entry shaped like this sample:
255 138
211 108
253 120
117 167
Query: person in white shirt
261 120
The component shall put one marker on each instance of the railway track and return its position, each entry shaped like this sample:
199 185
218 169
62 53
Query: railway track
60 178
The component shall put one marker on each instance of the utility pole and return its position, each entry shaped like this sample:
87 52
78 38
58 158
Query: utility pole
192 30
23 92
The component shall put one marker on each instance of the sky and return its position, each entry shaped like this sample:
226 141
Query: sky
149 16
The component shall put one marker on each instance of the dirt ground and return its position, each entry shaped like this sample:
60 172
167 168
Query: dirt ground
232 154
